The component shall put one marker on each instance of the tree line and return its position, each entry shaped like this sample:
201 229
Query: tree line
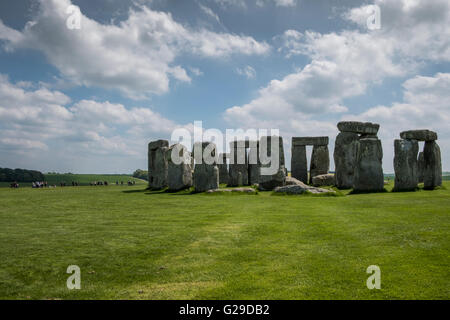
140 174
20 175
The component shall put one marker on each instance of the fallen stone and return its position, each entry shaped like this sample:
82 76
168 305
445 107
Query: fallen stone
358 127
405 165
369 171
237 190
433 166
323 180
345 150
320 162
290 181
420 135
301 189
310 141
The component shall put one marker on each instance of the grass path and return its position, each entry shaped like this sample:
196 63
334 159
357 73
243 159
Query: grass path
131 243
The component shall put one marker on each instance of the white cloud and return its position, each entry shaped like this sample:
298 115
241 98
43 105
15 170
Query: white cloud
278 3
247 72
417 29
424 106
136 56
311 100
38 125
208 11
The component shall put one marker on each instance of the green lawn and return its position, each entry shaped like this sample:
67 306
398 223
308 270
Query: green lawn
131 243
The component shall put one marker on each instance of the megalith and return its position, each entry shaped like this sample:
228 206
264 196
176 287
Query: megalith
430 166
369 171
345 149
179 168
299 163
421 167
320 162
223 168
433 167
157 164
254 164
206 172
271 174
405 164
238 168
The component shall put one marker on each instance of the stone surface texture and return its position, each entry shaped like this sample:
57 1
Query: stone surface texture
405 164
369 171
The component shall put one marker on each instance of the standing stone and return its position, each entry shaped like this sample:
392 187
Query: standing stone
405 165
179 174
254 164
157 164
271 181
238 168
299 163
421 166
433 166
223 168
369 171
320 162
345 150
206 173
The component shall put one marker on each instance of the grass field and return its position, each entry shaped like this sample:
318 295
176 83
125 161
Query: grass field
82 179
135 244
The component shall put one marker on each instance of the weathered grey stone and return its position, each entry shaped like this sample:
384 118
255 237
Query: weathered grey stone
301 189
223 168
237 190
369 171
310 141
421 166
420 135
242 144
345 150
254 164
358 127
157 164
299 163
290 181
179 174
323 180
206 176
405 164
269 182
320 162
433 166
238 168
158 144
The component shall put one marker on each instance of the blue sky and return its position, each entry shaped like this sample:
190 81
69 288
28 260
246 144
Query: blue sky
90 100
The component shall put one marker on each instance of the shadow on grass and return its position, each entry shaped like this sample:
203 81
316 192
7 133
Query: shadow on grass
368 192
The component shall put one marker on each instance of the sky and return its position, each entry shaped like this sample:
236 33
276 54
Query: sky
88 97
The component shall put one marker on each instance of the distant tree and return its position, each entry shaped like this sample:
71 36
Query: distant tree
20 175
140 174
